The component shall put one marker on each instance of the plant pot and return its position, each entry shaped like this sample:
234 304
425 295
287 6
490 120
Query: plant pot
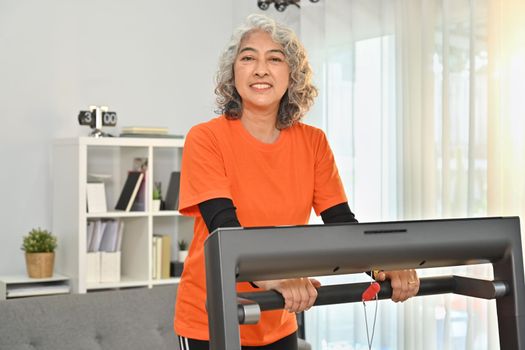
40 265
155 204
182 255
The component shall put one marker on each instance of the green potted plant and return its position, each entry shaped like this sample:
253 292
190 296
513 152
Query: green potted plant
183 250
157 197
39 246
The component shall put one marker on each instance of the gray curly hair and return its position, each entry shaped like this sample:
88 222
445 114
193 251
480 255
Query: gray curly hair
300 94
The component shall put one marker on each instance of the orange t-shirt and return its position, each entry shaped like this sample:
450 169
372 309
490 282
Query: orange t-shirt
269 184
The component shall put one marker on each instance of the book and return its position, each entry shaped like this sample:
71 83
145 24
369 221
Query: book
172 193
140 164
108 243
89 233
167 136
176 268
118 247
129 191
98 232
139 204
144 130
158 258
96 197
165 255
154 258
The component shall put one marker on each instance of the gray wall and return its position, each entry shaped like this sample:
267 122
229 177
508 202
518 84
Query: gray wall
152 61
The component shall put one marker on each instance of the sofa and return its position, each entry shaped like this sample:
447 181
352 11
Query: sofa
129 319
113 320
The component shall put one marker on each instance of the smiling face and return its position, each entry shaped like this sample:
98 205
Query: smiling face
261 73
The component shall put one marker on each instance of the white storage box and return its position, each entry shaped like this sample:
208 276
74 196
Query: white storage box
109 266
93 267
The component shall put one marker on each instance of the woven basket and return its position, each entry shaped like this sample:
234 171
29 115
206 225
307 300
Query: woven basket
40 265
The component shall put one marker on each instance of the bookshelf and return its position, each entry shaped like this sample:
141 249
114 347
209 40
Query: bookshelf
76 161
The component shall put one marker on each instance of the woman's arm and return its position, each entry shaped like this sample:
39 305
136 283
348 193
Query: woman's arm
299 293
219 212
338 214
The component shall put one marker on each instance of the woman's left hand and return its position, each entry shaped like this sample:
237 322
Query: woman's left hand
405 283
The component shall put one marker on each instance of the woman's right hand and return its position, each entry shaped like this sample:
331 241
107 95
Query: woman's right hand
299 293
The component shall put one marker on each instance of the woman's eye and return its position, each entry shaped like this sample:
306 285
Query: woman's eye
246 58
276 59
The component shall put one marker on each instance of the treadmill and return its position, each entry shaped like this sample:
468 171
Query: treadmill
249 254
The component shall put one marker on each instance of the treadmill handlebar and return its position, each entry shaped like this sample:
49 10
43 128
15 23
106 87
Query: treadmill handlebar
352 292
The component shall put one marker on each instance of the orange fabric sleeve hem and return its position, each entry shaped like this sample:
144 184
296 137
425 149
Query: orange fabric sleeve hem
329 204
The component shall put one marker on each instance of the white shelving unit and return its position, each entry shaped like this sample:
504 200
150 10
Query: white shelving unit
23 286
110 159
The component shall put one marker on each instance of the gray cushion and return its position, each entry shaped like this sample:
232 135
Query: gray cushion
131 319
114 320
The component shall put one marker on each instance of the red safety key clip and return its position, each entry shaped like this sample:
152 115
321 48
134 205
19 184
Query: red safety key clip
370 293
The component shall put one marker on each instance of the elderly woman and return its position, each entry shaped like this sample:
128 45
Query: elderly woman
258 165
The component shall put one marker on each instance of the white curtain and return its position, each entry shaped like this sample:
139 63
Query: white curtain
506 156
406 87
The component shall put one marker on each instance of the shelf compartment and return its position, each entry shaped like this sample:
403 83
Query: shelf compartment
125 282
172 280
22 286
117 214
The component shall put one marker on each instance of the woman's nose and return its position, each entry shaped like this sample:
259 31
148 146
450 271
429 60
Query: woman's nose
261 69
